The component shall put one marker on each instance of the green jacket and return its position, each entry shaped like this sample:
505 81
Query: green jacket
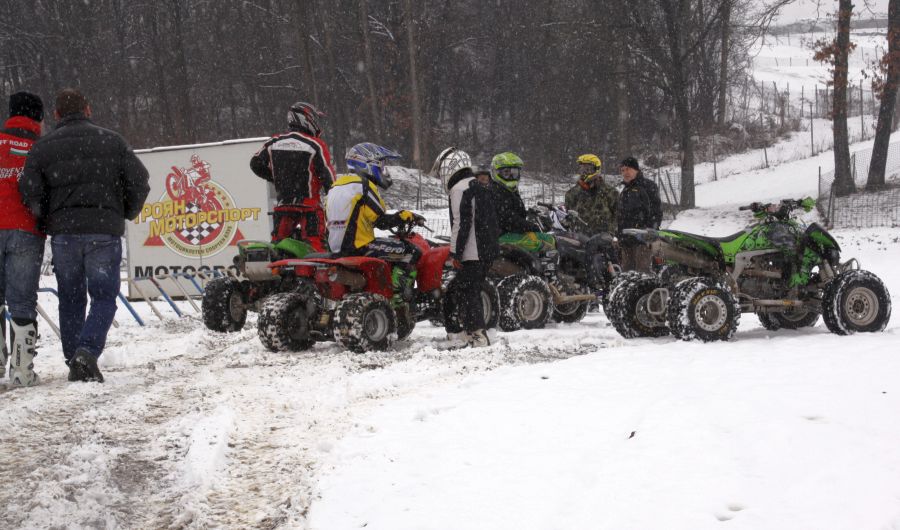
596 206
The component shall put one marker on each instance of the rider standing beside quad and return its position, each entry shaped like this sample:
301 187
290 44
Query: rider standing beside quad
594 200
354 210
639 207
298 164
474 236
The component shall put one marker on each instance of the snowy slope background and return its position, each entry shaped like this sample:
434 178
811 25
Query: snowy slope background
567 427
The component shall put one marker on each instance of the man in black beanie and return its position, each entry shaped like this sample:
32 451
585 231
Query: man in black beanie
639 207
21 242
83 182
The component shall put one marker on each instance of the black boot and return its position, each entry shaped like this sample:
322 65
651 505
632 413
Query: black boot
87 363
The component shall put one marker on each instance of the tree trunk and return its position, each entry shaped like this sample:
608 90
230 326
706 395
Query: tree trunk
843 178
888 101
623 118
185 118
339 110
309 74
724 50
680 93
370 67
415 97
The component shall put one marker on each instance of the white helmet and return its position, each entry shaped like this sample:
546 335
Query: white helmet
448 163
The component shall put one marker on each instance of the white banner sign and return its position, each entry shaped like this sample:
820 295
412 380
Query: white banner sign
203 199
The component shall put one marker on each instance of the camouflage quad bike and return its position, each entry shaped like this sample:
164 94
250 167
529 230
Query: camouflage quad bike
787 273
226 299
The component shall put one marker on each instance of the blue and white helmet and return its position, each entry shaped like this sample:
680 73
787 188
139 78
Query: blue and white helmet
368 160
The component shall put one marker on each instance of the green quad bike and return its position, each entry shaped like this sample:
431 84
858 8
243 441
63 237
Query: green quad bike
227 299
787 273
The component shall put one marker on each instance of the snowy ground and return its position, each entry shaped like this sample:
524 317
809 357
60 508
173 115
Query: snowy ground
568 427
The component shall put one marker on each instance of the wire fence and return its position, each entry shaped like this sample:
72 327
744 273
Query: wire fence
863 209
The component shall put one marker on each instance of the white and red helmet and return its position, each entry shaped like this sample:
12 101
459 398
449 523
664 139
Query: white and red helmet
304 117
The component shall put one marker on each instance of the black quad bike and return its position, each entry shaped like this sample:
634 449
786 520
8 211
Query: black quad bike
787 273
536 286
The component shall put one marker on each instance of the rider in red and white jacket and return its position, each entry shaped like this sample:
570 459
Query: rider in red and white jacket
298 163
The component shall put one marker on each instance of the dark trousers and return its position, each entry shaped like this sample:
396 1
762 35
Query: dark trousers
300 222
86 263
21 254
468 284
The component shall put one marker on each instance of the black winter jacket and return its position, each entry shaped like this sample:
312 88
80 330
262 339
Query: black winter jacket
83 179
511 211
477 212
639 205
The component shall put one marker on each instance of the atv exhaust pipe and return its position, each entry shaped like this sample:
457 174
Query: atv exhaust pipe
562 299
692 259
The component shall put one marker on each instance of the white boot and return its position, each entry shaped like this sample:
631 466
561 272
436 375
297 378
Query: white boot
21 359
4 353
478 339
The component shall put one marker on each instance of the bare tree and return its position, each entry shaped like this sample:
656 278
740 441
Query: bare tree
887 90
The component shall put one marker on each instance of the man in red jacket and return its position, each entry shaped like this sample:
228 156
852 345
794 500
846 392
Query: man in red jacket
299 165
21 242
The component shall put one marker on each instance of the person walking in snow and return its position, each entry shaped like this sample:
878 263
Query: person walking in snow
474 239
82 182
639 207
21 243
298 164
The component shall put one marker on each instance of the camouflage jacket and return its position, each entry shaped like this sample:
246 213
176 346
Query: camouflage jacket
596 206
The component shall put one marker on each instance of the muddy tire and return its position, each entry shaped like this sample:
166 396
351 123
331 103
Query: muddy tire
284 322
788 320
224 305
702 309
525 302
405 324
613 284
856 301
628 310
490 302
365 322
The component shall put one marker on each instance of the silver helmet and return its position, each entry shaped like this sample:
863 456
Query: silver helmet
448 163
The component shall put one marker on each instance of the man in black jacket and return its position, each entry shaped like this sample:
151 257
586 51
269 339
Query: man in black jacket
474 237
82 182
639 207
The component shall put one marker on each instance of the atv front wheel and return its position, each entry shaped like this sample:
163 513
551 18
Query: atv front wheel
525 302
283 323
629 308
796 319
490 302
856 301
365 322
701 308
617 280
224 307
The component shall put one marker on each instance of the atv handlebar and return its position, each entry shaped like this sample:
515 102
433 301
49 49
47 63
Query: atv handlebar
780 209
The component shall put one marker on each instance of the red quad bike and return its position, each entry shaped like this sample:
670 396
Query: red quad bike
351 299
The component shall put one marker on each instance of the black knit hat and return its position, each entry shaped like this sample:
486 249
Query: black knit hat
26 104
630 162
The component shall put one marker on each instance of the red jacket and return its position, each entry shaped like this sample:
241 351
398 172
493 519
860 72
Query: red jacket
16 138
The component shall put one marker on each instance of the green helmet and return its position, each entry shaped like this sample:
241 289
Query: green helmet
507 169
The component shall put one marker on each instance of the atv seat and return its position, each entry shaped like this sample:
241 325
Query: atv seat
711 240
320 255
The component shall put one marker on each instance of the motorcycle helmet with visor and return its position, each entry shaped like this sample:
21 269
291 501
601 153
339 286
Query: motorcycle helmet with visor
369 160
507 170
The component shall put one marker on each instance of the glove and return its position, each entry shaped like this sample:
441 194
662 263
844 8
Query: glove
406 215
808 204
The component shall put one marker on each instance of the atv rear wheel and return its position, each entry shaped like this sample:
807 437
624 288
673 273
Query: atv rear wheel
490 303
788 320
701 308
629 310
614 283
365 322
224 305
856 301
525 302
283 323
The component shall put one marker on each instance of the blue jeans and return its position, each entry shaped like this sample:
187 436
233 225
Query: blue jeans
86 263
21 254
